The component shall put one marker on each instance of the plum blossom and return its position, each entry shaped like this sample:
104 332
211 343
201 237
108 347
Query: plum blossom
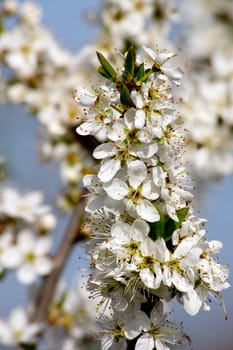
18 329
146 243
27 207
160 333
30 256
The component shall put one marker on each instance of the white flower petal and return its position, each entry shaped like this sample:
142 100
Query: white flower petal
149 190
116 207
104 150
144 150
109 169
192 303
140 230
95 204
135 323
137 99
151 279
26 274
117 131
106 341
161 251
150 52
174 74
140 117
88 128
184 247
147 211
116 189
6 334
181 283
215 246
164 56
43 265
26 241
43 245
30 332
129 118
85 98
137 172
159 176
145 342
91 182
119 302
120 232
156 314
11 258
18 319
161 346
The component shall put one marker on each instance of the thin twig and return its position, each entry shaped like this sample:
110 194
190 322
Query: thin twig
46 290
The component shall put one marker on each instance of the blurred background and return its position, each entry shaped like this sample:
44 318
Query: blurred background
19 136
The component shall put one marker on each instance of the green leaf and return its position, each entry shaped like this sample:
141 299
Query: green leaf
130 61
107 68
157 228
101 71
171 225
140 72
125 95
181 213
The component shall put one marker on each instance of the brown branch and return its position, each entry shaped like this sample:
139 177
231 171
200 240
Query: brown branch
48 286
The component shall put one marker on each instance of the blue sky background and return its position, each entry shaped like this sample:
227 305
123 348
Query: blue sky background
18 135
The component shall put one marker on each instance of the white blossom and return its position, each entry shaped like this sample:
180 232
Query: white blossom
18 329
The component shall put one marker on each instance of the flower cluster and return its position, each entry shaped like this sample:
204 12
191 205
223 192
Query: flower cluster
25 241
71 319
208 98
118 19
207 107
42 75
147 247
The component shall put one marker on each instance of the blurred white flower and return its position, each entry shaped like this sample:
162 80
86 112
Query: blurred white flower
18 329
30 255
25 206
6 242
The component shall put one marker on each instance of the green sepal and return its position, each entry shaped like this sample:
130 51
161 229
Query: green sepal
125 95
106 68
157 228
197 283
130 61
171 225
